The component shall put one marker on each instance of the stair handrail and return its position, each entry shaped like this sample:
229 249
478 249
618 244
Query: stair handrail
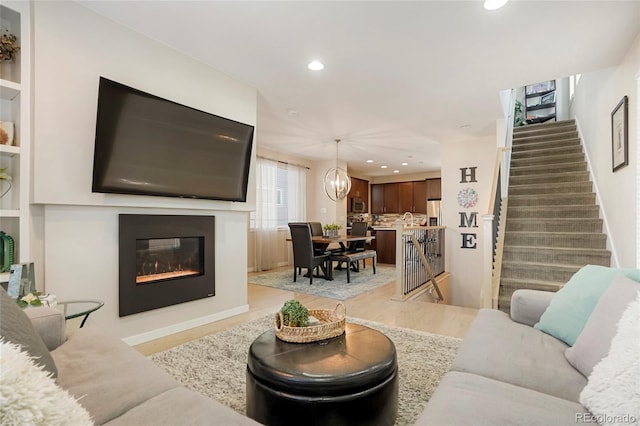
491 224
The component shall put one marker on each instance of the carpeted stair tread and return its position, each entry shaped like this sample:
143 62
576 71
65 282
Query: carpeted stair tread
552 199
557 239
560 211
523 147
549 159
554 225
546 152
555 255
533 284
538 271
531 130
556 177
550 188
547 124
541 137
533 169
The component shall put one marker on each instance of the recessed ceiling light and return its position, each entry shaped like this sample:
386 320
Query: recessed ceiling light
396 171
315 66
383 167
405 164
465 126
494 4
369 161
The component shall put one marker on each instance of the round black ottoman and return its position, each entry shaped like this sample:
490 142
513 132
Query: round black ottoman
348 380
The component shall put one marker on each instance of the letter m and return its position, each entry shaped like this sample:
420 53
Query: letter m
469 221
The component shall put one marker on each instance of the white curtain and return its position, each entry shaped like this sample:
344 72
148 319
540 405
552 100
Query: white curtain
266 218
297 186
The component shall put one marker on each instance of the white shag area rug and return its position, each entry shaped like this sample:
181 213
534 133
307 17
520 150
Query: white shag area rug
215 365
337 289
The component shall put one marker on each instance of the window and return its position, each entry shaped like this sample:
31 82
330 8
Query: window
280 194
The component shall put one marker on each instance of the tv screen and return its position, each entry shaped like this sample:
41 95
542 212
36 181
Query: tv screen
147 145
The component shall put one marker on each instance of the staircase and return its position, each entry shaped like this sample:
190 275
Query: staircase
552 226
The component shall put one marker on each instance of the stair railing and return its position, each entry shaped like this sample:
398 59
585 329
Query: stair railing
420 258
493 221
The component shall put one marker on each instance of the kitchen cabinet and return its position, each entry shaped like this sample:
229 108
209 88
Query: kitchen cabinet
412 197
384 198
434 191
359 190
400 197
385 245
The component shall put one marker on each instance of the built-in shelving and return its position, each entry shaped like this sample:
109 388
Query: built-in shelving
15 86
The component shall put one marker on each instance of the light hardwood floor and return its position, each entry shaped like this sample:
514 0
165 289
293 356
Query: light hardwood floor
375 305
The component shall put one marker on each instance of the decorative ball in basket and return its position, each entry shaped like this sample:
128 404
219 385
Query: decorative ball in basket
330 323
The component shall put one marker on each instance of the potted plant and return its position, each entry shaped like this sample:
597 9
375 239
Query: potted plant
331 229
518 116
294 314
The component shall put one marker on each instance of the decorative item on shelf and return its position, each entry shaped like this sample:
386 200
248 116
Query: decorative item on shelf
8 51
5 182
331 229
31 299
6 132
329 324
337 182
6 252
22 280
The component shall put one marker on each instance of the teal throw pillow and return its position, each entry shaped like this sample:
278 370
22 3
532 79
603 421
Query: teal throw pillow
571 307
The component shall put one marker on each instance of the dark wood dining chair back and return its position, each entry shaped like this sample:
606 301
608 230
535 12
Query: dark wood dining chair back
358 229
303 251
316 229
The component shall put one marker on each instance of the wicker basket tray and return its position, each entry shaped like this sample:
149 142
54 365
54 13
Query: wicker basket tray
331 325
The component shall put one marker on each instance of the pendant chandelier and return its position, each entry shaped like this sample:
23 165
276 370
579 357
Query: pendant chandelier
337 182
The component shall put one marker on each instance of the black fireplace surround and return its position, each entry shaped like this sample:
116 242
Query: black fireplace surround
165 260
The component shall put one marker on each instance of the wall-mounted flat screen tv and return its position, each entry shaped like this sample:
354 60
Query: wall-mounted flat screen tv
147 145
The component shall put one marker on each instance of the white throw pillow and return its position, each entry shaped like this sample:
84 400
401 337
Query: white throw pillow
612 393
30 396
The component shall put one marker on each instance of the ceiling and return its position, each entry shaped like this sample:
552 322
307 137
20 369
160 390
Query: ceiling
400 78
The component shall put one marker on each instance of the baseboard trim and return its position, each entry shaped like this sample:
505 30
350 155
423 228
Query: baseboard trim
186 325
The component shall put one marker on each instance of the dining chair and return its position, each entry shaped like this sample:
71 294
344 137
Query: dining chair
316 231
303 252
356 251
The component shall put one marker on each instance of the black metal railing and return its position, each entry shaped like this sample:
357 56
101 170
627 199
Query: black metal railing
420 245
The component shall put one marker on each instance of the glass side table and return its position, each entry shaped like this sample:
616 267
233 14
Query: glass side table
78 308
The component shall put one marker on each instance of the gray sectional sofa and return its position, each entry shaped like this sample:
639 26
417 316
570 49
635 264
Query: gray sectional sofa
564 358
112 381
507 372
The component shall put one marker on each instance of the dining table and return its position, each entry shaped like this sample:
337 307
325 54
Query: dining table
323 242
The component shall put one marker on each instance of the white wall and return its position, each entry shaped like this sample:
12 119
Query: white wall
73 47
465 265
596 95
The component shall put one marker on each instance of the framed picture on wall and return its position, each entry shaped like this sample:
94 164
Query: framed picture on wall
620 135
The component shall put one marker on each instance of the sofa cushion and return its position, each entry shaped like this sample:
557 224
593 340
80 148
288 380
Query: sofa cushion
593 343
465 399
572 305
501 349
16 328
106 375
613 392
183 407
30 396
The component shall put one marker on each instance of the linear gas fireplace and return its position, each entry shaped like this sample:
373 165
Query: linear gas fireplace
165 260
